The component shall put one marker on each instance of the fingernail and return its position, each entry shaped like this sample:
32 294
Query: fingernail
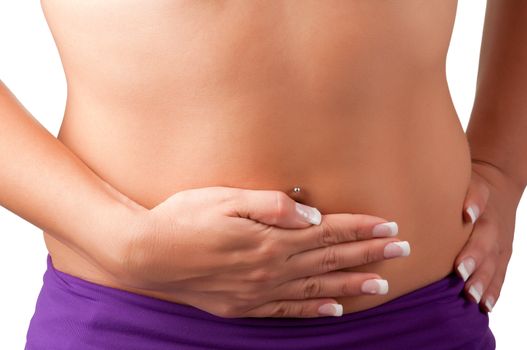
476 290
393 249
309 214
330 310
375 286
385 229
473 212
489 303
466 267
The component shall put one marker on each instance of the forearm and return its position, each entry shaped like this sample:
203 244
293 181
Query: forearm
497 131
45 183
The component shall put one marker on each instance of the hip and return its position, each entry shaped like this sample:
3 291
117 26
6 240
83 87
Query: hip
74 313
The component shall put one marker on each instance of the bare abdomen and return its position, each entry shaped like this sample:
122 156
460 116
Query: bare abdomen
411 167
356 112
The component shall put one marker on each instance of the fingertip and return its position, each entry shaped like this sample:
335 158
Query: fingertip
472 213
332 308
309 214
466 267
466 216
489 303
385 229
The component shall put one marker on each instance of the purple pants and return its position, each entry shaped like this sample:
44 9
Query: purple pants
72 313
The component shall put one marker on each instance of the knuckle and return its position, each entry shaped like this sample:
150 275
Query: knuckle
312 287
359 221
330 261
268 251
281 201
368 256
282 309
261 275
302 309
326 236
346 289
229 311
353 235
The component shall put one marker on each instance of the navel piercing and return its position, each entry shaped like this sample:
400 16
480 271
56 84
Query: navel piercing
296 189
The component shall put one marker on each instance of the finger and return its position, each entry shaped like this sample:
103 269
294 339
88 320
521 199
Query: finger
334 229
492 294
332 284
476 199
274 208
480 243
336 257
300 309
481 279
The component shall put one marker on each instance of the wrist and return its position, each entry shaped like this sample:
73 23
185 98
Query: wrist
498 180
113 235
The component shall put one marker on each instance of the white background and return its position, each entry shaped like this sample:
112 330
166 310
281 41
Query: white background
31 68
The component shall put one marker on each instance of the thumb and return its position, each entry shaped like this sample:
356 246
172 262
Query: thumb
276 208
476 199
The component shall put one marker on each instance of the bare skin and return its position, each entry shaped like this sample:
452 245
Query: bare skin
348 100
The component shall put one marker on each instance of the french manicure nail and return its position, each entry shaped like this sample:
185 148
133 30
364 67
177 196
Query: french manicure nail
466 267
309 214
393 249
330 310
385 229
476 290
473 212
375 286
489 303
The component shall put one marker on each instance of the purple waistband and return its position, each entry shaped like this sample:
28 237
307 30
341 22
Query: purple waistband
72 313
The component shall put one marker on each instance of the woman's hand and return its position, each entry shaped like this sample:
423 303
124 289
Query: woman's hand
491 199
250 253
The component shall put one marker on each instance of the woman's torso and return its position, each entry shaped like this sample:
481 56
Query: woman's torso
346 99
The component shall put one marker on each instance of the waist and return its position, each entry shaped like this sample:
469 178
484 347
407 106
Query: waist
411 167
376 147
